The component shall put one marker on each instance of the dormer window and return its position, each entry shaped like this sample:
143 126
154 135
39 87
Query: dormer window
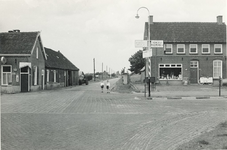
217 48
180 48
206 48
193 49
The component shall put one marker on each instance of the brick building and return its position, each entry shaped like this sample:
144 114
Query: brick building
60 72
27 66
192 52
22 61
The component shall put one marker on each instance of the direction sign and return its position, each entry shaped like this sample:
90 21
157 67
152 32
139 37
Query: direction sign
156 43
140 43
147 53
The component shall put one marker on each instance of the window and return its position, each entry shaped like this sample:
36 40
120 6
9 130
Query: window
205 48
218 48
35 75
168 49
170 71
6 75
193 64
48 75
37 53
217 68
180 48
55 75
193 49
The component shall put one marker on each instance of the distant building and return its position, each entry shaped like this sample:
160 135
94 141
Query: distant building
60 72
192 51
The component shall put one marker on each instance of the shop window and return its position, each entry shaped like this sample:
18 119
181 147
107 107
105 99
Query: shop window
6 75
205 48
193 49
217 68
218 48
180 48
170 71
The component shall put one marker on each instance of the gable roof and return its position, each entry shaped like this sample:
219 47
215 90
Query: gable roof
17 42
58 61
187 32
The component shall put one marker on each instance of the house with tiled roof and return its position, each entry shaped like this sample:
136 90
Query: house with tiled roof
22 61
60 72
193 52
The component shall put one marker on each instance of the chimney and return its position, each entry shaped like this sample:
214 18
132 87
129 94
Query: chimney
150 19
219 19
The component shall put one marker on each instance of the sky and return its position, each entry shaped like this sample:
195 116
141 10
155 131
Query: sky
100 30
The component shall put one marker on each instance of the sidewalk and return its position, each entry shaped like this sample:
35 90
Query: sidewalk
183 91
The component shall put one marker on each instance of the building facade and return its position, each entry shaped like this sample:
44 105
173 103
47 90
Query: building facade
193 52
22 62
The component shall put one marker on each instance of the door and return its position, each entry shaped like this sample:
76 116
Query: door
194 71
24 82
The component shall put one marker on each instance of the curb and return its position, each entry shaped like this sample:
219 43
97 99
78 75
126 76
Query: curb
185 98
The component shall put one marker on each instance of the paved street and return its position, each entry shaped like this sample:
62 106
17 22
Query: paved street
83 118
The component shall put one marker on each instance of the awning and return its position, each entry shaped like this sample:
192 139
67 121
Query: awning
24 64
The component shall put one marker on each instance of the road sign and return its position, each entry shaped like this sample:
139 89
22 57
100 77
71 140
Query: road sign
156 43
147 53
140 43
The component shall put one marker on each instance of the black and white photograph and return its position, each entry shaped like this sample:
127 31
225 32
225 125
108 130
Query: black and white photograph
113 74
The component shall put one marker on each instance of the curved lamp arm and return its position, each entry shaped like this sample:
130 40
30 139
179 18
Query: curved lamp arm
137 16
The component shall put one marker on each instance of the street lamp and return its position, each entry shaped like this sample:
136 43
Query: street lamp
148 48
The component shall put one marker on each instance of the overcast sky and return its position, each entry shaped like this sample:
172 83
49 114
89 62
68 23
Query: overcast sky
102 29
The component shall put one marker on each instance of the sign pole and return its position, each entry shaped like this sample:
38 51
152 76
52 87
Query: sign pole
149 60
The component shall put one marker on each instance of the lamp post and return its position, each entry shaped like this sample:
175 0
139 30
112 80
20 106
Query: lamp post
148 48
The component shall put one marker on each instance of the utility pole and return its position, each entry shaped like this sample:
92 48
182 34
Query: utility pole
94 67
102 71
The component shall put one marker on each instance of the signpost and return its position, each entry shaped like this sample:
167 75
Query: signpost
140 43
148 53
156 43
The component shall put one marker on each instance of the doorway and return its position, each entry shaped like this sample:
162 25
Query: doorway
194 65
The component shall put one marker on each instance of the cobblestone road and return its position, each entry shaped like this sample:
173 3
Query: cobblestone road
83 118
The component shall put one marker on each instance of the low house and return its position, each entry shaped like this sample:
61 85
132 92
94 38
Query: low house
22 61
192 51
60 72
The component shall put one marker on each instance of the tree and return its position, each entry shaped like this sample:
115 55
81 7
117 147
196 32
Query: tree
137 62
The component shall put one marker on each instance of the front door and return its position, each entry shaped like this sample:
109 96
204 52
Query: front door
24 82
194 71
25 79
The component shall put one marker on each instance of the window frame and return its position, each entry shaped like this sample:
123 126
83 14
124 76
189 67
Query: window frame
190 47
208 46
37 53
35 75
178 46
169 46
10 75
55 76
217 46
218 67
48 75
